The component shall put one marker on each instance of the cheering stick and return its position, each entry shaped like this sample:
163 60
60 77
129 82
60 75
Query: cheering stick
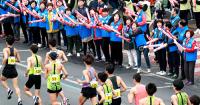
64 3
36 21
154 45
81 16
168 35
20 6
2 18
13 7
130 11
88 15
30 12
160 47
117 32
70 19
180 48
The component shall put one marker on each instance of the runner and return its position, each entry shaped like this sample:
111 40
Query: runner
117 82
61 58
61 55
180 97
33 73
138 91
10 58
52 74
105 91
89 82
151 99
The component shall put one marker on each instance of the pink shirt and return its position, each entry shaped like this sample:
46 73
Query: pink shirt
140 93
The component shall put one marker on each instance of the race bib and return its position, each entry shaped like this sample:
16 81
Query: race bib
94 84
37 70
108 97
118 93
11 60
55 78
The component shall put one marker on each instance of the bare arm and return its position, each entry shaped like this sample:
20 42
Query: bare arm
17 56
131 95
28 66
46 59
65 72
174 100
87 80
5 56
101 93
123 85
64 58
45 72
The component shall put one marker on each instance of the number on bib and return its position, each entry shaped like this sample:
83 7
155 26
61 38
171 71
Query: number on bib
55 78
108 97
11 60
37 70
94 84
118 93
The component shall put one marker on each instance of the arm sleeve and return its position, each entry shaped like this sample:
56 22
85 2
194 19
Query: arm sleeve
144 20
191 49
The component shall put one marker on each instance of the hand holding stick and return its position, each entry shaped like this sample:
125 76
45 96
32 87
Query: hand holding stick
13 7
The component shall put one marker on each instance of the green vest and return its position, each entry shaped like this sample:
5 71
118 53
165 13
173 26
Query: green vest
150 100
182 98
37 69
108 94
53 79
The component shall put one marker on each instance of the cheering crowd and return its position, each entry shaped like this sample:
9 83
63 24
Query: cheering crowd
103 29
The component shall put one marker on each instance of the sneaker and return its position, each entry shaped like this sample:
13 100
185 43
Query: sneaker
148 70
158 73
169 74
36 100
20 102
78 54
98 60
135 68
197 31
69 54
128 66
39 45
139 70
10 92
163 73
65 101
174 76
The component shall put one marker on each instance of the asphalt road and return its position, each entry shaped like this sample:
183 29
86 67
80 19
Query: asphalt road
72 89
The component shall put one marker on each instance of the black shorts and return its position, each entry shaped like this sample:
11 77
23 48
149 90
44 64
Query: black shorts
54 91
89 92
9 72
34 80
117 101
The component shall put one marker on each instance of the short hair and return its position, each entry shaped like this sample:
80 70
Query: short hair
42 2
34 48
82 0
50 4
191 33
178 84
33 1
52 42
102 76
195 100
168 24
10 40
68 9
183 22
151 89
176 10
105 10
159 21
88 59
53 55
137 77
110 68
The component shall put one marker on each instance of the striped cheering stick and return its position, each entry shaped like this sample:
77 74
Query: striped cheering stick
36 21
117 32
13 7
30 12
80 15
130 11
71 20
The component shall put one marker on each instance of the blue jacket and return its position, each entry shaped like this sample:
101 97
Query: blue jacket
97 31
189 56
139 38
32 18
139 19
84 32
174 20
54 27
42 14
70 31
158 34
104 20
113 35
181 33
62 10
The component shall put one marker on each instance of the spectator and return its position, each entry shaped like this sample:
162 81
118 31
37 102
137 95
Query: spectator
195 100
